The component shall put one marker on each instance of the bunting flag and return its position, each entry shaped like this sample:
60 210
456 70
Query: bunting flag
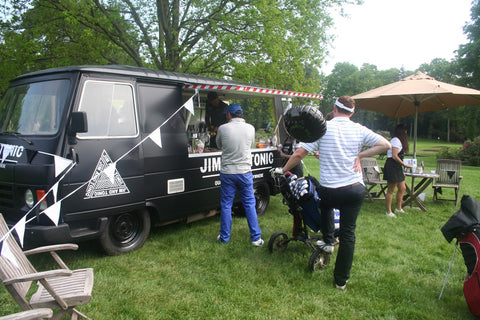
55 191
156 137
53 212
189 105
20 229
7 253
61 164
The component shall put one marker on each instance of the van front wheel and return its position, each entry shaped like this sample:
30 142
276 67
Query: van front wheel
125 232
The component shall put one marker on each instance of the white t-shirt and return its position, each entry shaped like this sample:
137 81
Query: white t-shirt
396 143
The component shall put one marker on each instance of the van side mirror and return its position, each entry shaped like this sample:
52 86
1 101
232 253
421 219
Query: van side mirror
78 123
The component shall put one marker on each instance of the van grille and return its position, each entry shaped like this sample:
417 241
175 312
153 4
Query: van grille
6 196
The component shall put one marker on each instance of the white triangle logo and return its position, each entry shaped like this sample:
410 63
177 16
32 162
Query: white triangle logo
101 183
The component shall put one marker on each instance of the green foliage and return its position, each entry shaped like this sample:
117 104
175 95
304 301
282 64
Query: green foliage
471 151
468 53
43 35
450 153
468 153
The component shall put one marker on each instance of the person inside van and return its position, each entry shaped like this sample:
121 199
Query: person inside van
214 116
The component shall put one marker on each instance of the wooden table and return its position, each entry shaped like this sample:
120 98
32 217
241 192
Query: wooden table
413 195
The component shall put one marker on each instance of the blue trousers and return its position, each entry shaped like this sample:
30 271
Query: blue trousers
243 183
348 201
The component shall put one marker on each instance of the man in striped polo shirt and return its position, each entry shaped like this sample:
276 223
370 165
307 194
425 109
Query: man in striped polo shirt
340 151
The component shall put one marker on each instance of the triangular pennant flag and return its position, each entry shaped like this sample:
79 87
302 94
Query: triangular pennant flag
156 137
7 148
53 212
61 164
20 229
110 171
7 253
55 191
189 105
450 173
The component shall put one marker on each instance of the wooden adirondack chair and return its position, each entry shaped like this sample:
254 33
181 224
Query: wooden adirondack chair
372 178
449 171
34 314
59 289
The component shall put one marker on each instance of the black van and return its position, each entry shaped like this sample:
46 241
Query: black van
129 140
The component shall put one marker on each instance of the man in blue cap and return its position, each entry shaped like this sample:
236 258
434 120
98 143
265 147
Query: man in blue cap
235 138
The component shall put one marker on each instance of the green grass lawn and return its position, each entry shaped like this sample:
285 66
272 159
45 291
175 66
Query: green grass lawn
182 273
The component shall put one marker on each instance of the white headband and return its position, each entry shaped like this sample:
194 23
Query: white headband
342 106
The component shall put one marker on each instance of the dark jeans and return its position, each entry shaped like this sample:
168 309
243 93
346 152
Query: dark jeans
348 201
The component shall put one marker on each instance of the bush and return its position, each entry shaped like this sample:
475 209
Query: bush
469 153
449 153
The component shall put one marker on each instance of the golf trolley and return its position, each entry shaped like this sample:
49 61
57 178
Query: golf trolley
302 200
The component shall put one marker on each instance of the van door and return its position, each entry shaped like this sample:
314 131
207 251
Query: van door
112 137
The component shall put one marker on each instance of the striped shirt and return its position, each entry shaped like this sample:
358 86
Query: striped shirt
338 150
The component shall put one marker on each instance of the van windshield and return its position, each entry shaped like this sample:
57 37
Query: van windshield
34 108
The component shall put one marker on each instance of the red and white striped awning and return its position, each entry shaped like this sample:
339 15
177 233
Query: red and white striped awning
247 89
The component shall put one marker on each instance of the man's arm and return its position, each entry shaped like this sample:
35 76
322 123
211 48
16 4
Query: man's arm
382 145
294 159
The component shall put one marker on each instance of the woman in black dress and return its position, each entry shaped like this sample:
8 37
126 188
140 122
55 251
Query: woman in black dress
393 171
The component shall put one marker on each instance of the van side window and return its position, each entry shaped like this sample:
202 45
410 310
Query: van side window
110 109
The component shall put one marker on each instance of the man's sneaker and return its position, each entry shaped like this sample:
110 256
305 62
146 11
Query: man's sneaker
220 240
341 287
328 248
258 243
399 210
390 214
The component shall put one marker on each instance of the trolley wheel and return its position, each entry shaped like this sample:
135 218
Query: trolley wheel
318 260
278 242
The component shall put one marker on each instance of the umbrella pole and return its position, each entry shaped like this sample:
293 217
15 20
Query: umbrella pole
415 128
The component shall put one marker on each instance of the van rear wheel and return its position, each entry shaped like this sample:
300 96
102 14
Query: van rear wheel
126 232
262 198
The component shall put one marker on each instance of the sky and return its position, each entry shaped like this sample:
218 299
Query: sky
398 33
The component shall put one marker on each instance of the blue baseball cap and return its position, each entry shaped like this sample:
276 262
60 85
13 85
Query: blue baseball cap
235 109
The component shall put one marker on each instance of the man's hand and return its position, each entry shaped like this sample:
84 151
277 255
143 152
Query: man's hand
276 172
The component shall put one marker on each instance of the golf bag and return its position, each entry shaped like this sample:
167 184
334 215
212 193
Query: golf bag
465 226
301 195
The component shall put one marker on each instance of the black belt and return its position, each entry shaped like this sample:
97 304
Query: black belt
345 187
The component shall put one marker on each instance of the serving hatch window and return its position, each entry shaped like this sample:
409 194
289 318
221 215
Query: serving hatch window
34 108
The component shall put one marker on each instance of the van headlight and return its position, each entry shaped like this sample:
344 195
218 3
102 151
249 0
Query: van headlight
29 199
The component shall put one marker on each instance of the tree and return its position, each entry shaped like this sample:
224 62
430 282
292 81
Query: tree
273 42
42 37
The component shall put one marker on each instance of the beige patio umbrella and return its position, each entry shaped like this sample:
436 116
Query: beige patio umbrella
413 95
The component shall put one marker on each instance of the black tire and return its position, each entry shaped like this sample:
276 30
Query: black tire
262 198
278 242
262 201
304 123
126 232
319 260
